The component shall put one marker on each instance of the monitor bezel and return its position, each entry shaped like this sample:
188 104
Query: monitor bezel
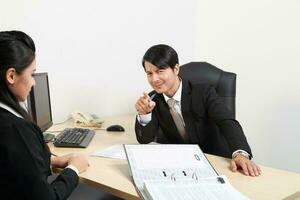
31 103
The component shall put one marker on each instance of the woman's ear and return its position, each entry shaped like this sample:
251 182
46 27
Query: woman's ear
11 75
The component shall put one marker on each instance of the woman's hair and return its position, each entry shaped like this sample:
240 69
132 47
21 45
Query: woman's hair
17 50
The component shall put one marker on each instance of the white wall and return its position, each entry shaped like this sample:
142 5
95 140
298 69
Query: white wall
258 40
92 49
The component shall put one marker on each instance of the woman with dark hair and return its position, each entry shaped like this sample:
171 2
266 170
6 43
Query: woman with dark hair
25 159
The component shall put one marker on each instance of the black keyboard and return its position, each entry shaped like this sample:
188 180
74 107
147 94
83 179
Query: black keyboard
74 137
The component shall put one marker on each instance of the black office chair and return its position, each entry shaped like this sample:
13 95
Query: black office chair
203 72
225 85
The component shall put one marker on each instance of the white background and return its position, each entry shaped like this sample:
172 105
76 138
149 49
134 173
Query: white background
260 41
92 51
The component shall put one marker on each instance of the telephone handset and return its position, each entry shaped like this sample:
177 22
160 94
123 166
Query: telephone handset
85 119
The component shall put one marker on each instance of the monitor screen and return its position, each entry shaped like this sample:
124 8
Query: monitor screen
39 105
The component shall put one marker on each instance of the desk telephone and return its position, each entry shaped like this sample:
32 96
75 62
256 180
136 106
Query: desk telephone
86 120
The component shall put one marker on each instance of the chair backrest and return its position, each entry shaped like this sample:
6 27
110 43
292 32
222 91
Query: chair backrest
203 72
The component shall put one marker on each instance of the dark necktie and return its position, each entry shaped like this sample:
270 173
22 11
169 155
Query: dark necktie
177 119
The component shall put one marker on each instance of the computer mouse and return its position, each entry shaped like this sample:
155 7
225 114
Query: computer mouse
115 127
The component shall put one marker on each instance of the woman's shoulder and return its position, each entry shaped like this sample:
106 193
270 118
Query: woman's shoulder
15 131
11 123
8 119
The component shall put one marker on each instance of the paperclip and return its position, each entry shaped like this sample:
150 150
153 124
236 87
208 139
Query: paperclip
221 180
173 178
165 175
194 176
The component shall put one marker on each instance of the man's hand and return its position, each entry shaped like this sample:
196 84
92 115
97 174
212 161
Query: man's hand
247 166
144 104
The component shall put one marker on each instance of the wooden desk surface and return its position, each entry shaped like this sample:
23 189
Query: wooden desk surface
112 175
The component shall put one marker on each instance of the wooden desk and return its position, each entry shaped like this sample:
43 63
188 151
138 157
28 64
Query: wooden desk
112 175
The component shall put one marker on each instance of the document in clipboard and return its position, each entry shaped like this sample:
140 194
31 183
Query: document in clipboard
212 188
161 170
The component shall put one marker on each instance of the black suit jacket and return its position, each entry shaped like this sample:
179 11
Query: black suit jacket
202 111
25 163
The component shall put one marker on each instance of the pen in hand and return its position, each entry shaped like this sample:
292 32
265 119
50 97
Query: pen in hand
151 104
152 96
144 104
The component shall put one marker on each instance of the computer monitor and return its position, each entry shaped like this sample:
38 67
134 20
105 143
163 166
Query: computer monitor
39 105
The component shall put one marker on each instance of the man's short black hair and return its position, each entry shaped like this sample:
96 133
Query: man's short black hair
162 56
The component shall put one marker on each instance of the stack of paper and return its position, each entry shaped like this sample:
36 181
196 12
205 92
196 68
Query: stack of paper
177 172
203 189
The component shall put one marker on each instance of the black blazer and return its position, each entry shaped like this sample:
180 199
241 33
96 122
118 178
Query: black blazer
200 107
25 163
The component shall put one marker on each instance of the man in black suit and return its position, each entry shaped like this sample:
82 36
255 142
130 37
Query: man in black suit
181 110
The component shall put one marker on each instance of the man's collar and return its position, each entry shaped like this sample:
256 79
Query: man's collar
177 95
9 109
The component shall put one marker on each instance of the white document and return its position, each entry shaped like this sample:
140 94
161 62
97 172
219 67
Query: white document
115 151
167 157
166 163
213 188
